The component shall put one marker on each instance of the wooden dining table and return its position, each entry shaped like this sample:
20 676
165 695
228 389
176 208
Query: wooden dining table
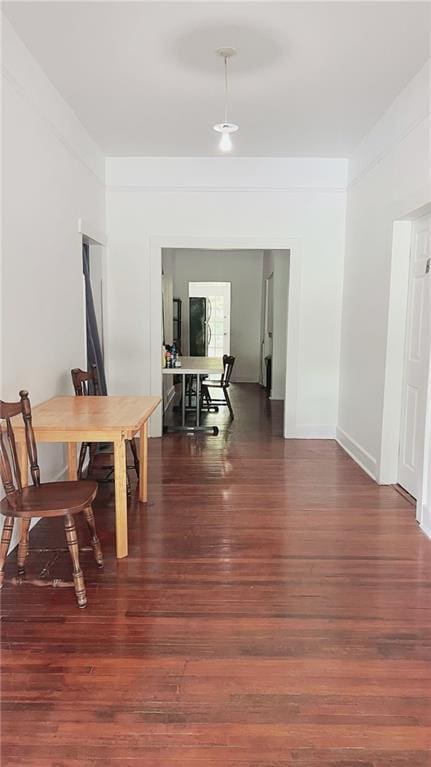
95 419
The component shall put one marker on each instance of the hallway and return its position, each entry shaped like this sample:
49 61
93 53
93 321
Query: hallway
274 611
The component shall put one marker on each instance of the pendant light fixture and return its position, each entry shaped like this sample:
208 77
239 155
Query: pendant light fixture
226 128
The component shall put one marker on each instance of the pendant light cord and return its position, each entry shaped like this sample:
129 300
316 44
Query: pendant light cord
225 89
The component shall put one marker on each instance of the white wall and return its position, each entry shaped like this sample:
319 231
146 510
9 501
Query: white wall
243 269
153 203
53 174
389 179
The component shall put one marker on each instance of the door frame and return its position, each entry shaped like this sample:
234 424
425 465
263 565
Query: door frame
394 370
291 244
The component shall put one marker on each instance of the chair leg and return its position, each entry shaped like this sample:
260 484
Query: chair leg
82 454
78 578
97 549
206 394
93 450
4 545
190 390
229 404
23 547
135 456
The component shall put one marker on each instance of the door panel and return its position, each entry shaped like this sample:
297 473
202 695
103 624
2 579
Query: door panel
410 426
418 339
415 336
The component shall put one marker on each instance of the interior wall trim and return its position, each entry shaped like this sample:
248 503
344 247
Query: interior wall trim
361 456
310 431
225 189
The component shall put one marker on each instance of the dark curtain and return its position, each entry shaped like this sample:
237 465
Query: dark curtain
94 349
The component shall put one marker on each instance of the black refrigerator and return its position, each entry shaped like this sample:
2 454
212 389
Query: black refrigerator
198 327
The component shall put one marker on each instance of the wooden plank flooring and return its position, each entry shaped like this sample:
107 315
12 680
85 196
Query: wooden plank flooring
274 611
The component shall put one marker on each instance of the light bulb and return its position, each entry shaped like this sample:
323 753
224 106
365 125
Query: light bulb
225 142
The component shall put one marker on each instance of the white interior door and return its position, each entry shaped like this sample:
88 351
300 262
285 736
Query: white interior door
417 351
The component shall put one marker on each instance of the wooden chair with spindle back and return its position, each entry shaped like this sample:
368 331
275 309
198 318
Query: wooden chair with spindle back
51 499
222 383
85 384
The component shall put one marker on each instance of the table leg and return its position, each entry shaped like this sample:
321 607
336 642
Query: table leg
121 497
71 460
143 463
23 462
198 399
183 402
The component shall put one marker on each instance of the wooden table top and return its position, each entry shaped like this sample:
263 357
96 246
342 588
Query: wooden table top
89 413
195 365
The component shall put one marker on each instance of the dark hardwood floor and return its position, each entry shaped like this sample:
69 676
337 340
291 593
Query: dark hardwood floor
274 611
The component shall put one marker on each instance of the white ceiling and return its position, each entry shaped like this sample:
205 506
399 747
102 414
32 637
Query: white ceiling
310 79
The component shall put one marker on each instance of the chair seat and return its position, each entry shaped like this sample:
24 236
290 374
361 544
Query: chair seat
53 499
103 459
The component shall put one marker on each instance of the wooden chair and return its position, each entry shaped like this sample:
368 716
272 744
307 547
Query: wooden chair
86 383
52 499
223 383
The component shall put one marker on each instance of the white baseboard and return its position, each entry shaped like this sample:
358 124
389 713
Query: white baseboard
358 453
425 524
320 431
426 529
277 395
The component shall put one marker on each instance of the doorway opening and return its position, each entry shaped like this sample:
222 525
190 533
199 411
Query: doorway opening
230 302
93 306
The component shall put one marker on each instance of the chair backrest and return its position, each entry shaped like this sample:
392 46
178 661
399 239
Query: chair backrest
228 363
85 382
11 475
